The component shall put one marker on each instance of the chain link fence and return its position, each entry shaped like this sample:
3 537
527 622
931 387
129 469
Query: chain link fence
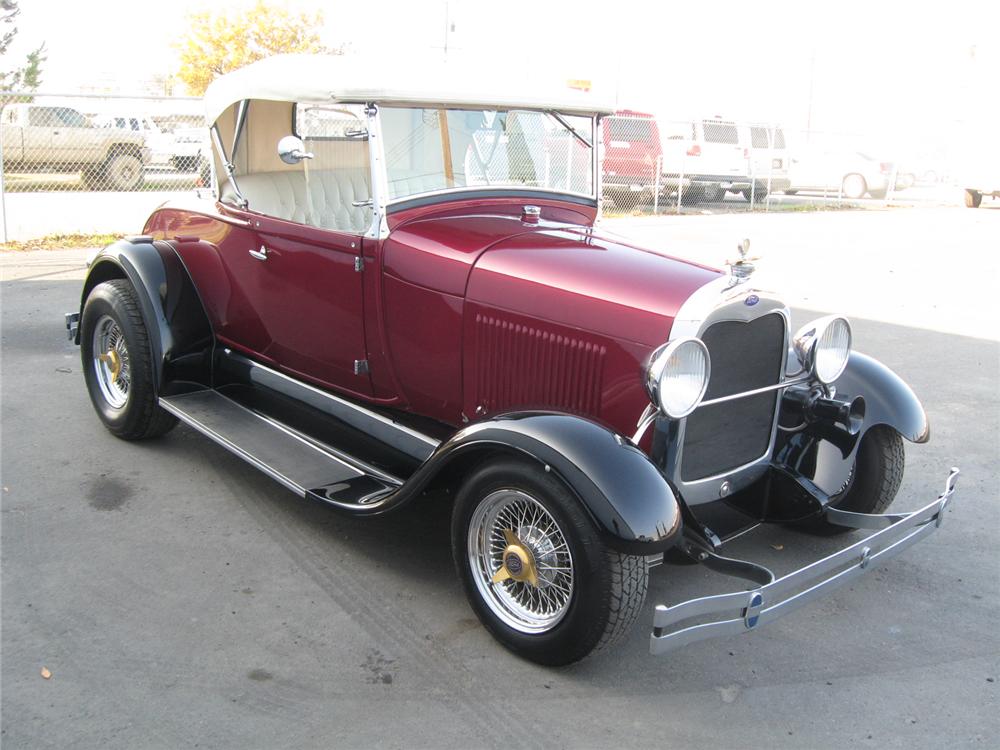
62 157
654 165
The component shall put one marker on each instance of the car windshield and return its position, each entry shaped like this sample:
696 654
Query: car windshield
430 150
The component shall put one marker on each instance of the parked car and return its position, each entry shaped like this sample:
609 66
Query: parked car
767 159
40 138
391 304
849 173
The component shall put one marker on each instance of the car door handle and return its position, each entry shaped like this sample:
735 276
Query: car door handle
259 254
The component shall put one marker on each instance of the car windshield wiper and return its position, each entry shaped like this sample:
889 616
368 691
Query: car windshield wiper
561 120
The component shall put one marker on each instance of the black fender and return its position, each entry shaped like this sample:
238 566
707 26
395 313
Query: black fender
888 399
630 501
814 463
180 335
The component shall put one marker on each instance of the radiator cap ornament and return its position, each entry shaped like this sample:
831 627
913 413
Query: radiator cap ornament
742 269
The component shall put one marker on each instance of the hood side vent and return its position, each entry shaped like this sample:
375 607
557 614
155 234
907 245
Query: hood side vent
522 366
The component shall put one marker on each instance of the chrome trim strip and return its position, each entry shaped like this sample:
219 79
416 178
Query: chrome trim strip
780 597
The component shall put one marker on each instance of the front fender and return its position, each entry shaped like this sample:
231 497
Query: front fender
627 497
888 399
826 463
176 323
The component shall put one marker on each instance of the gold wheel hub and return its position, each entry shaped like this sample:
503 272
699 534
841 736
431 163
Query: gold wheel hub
114 362
518 562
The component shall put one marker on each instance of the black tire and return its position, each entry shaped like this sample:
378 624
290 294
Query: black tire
608 589
973 198
140 416
874 481
123 172
713 193
759 194
692 195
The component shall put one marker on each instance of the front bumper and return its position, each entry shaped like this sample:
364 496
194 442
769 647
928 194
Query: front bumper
72 326
768 602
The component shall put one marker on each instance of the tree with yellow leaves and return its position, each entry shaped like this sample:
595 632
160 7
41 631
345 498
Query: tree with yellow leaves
222 41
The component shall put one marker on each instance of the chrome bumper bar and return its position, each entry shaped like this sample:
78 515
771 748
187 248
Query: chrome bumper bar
762 605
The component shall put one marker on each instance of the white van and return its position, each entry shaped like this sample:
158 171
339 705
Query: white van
766 157
705 157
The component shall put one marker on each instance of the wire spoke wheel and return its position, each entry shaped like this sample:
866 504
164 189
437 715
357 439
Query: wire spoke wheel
112 363
520 561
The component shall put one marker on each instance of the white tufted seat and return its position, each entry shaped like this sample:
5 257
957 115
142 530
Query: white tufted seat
328 203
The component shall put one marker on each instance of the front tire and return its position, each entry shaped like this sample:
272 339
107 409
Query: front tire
854 186
534 568
118 364
124 172
874 480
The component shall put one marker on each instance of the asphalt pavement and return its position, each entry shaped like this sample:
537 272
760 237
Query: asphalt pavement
178 598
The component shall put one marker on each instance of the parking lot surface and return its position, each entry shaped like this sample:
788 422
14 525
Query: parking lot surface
179 598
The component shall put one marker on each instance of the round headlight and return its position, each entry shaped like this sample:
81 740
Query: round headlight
678 376
823 347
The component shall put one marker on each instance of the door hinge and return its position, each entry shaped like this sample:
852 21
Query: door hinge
359 264
361 367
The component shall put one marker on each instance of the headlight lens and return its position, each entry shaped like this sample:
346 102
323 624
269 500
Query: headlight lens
678 376
823 347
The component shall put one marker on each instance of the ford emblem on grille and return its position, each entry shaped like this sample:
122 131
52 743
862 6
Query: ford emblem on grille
752 300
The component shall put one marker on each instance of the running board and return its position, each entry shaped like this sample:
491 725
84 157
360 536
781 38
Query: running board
298 463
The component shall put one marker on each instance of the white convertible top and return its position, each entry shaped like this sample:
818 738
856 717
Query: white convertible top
345 79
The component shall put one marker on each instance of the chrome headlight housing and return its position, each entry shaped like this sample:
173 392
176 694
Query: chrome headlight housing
678 375
823 347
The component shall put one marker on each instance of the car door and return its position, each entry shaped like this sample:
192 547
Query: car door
303 271
45 136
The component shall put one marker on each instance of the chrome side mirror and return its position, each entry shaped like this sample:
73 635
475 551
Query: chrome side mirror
291 150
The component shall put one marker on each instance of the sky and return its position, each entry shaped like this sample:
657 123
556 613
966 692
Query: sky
901 73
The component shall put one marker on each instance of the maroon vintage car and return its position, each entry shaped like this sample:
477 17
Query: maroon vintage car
399 288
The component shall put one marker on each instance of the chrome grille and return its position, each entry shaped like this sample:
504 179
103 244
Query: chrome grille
745 356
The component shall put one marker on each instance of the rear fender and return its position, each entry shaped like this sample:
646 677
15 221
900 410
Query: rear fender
180 335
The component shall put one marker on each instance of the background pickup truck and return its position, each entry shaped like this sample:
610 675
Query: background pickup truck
59 139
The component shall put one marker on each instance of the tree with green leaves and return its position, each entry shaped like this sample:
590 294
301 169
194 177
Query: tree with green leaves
221 41
27 77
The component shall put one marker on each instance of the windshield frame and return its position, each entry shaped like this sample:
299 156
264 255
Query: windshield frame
495 190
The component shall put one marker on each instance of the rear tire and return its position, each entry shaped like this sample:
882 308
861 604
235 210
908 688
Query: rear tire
973 198
587 595
874 480
118 364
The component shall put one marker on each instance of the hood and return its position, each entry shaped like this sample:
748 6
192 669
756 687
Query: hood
576 277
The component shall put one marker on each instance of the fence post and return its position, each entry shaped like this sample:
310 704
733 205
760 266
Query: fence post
3 188
658 166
